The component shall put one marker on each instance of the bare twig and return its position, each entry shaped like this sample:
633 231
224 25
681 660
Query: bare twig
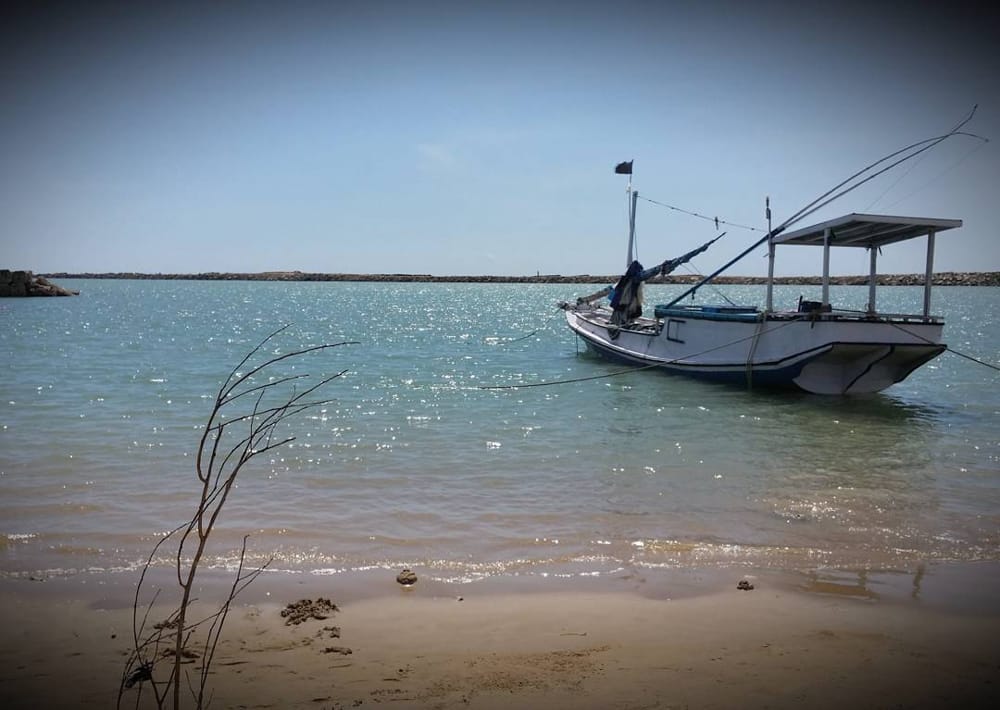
222 454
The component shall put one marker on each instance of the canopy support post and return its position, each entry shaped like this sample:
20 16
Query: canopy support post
929 273
872 256
827 237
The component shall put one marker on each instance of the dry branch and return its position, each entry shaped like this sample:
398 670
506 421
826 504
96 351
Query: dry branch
229 441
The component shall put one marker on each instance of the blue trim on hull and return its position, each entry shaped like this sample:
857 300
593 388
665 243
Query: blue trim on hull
778 377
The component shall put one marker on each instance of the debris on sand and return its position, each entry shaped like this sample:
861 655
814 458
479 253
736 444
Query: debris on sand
329 631
342 650
744 584
141 673
406 578
306 609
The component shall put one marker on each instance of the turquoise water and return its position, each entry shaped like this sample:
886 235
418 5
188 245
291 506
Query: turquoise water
103 397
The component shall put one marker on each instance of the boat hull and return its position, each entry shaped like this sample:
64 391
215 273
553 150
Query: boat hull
831 354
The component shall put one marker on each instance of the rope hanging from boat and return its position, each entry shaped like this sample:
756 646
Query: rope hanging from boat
716 220
571 381
757 332
948 348
525 337
969 357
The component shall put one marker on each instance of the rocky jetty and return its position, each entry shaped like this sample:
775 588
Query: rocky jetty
25 283
946 278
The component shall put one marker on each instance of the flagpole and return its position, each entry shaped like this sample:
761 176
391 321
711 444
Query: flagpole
769 306
631 224
631 197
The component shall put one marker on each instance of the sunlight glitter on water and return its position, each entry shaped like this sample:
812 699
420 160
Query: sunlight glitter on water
413 463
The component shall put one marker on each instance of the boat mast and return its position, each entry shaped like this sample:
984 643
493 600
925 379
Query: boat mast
631 196
634 196
770 258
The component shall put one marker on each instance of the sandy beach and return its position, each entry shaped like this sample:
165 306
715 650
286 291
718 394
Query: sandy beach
787 643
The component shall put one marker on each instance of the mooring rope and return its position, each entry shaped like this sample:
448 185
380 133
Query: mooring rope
571 381
525 337
948 348
757 332
969 357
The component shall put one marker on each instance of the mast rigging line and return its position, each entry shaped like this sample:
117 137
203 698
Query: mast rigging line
700 216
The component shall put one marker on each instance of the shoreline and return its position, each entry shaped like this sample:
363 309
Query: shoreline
780 645
944 278
964 587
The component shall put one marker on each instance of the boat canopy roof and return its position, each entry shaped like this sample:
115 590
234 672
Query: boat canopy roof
866 230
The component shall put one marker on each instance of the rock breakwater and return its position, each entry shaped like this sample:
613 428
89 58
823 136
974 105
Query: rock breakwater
946 278
25 283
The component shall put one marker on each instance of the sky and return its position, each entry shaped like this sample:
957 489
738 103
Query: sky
472 138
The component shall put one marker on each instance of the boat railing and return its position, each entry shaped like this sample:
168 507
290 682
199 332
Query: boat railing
838 314
752 314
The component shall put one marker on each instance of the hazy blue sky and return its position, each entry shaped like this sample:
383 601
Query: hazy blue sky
480 138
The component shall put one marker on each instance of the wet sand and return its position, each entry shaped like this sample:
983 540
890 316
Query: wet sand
793 641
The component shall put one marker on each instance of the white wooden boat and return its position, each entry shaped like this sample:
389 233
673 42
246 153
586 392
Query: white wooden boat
816 347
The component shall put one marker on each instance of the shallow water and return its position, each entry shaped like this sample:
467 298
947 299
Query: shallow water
103 398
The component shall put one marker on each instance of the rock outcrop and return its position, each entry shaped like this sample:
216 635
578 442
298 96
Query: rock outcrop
25 283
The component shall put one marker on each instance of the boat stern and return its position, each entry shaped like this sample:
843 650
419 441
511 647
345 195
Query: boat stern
856 368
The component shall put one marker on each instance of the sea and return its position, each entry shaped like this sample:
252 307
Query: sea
466 434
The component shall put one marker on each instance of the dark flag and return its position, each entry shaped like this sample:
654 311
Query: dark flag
624 168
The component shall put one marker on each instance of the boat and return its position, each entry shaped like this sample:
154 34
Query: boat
816 346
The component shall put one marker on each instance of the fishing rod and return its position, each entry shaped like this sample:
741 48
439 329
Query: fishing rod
914 165
908 153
